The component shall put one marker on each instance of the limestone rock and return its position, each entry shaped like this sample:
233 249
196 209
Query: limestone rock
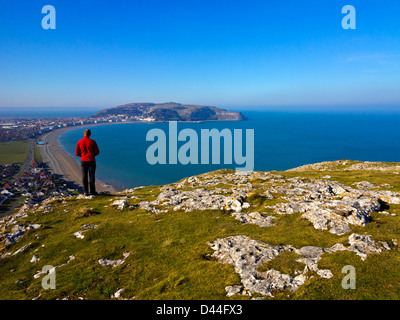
82 196
120 204
34 259
89 226
117 294
247 255
331 206
363 245
232 290
79 235
114 263
254 218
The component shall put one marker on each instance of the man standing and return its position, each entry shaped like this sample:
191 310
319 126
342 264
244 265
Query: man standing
87 149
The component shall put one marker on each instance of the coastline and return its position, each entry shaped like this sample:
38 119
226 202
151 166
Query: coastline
61 163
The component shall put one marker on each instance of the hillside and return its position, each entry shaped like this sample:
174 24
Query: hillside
171 111
219 235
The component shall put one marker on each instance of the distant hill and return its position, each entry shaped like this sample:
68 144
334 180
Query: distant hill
171 111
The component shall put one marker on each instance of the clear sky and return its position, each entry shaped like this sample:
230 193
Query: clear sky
227 53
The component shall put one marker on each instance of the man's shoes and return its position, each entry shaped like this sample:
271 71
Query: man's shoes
94 194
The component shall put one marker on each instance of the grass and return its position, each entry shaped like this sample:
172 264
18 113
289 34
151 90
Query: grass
13 152
285 263
36 153
170 258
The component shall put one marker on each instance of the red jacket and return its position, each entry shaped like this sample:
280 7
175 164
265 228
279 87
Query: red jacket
87 149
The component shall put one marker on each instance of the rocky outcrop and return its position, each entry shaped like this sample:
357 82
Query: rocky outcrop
247 255
329 205
363 245
17 232
204 199
346 165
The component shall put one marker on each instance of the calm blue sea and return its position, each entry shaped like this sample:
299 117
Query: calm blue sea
282 141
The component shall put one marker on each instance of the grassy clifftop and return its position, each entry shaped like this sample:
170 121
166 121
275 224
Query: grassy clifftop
215 236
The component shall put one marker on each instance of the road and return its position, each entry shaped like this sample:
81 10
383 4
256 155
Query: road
25 165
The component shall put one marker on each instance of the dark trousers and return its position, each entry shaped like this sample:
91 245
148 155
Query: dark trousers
88 176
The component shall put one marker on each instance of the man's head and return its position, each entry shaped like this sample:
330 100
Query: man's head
87 132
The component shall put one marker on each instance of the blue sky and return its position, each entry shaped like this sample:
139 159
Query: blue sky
233 54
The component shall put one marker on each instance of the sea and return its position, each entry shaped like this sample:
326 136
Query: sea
282 140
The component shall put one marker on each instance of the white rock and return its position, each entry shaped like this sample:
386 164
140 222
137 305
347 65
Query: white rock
245 205
34 259
82 196
232 290
120 204
34 226
113 263
325 273
79 235
117 294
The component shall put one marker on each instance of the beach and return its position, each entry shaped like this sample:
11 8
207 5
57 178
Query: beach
61 163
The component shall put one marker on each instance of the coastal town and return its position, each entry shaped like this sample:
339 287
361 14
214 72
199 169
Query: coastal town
31 181
33 184
32 128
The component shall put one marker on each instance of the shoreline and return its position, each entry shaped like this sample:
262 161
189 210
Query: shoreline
63 164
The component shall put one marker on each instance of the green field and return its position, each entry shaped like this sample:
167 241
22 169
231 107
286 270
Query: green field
36 153
13 152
